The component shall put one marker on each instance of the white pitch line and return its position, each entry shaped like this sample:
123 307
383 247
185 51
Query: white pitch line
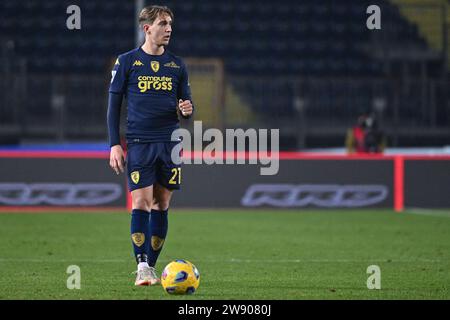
62 260
232 260
428 212
332 260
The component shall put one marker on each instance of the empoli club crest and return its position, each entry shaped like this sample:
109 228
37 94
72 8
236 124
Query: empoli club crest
155 66
138 238
157 243
135 176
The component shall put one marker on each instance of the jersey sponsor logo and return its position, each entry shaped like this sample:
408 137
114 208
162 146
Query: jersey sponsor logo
171 64
135 177
138 238
138 63
157 243
146 83
155 66
318 195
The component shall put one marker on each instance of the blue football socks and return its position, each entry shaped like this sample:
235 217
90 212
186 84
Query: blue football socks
158 232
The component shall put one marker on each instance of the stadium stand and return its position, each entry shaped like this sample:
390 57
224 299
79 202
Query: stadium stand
315 55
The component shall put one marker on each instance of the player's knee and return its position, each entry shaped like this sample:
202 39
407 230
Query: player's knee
142 203
160 204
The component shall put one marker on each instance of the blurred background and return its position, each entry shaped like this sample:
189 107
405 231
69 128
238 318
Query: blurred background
311 68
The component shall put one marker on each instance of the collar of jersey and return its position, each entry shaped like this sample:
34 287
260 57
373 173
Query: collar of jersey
152 55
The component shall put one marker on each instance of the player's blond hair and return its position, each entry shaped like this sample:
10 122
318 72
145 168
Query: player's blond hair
150 13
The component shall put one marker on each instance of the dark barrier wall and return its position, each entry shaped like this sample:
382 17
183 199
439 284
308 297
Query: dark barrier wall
60 182
427 183
299 183
84 180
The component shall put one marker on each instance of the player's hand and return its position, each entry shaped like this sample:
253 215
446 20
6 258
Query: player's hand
116 159
185 107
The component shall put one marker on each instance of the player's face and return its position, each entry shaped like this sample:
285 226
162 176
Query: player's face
161 30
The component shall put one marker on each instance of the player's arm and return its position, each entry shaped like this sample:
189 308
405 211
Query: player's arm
116 158
116 92
184 95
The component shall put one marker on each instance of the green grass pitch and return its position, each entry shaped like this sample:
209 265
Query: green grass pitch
247 254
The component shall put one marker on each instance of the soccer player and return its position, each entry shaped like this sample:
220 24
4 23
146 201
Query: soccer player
155 84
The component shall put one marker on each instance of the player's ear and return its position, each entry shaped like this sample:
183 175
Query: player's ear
146 28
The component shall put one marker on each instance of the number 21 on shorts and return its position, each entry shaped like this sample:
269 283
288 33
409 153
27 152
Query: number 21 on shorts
176 176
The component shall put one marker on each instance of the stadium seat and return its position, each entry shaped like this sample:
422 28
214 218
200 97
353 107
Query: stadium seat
285 38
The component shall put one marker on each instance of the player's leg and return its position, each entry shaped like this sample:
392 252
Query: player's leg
158 221
140 236
168 177
141 176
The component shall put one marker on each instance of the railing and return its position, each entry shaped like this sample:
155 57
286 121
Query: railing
54 107
303 107
70 107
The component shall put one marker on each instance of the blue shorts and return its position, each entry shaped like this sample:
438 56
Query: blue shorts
151 162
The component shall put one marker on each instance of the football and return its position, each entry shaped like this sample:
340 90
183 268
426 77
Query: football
180 277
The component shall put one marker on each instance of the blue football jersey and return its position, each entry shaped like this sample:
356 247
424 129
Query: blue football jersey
152 85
